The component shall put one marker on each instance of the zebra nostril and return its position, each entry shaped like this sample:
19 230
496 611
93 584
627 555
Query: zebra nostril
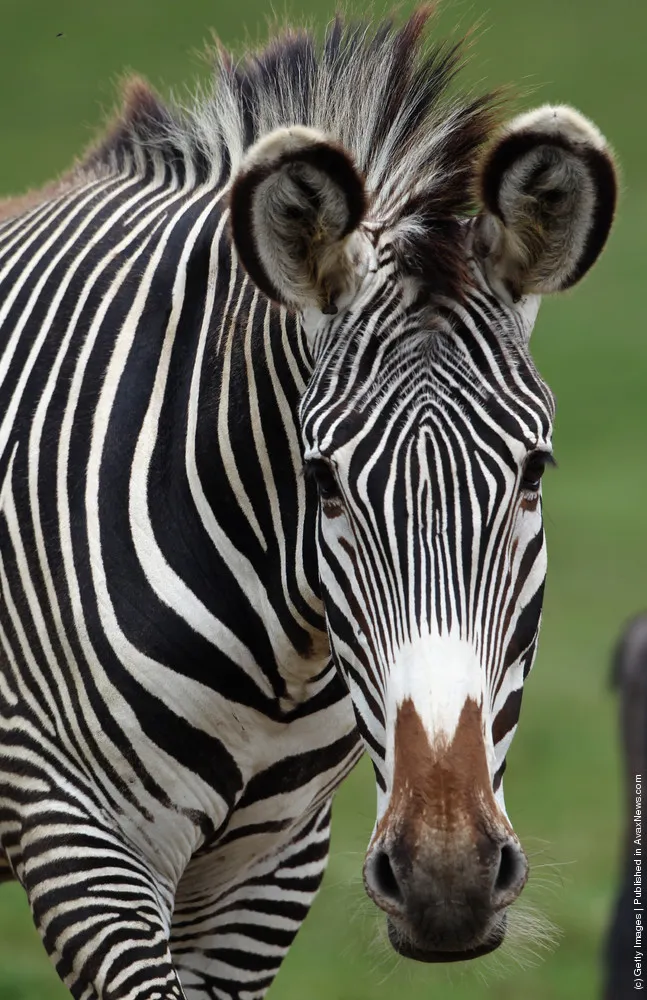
381 878
511 874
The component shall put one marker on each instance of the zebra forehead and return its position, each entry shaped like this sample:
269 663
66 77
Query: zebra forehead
406 354
411 396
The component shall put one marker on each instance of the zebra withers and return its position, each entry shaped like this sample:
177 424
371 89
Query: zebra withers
271 454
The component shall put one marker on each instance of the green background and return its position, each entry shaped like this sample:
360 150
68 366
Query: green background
563 782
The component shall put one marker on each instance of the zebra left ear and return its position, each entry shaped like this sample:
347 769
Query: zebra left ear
549 189
296 203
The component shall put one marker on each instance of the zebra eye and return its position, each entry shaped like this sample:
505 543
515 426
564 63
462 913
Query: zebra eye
534 469
324 477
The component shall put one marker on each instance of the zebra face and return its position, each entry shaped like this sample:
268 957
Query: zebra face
427 429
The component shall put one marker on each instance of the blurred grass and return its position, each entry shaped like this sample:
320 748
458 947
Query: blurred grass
562 784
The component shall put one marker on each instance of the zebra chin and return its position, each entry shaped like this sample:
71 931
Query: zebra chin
407 944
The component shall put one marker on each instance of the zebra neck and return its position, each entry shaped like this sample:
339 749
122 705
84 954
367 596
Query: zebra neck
251 369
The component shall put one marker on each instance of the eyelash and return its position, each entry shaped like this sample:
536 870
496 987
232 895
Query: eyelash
323 475
534 468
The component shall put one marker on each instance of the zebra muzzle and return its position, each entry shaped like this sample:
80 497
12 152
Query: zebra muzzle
444 862
445 901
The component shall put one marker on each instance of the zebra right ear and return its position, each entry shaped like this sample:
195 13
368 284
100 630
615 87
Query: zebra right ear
296 203
548 185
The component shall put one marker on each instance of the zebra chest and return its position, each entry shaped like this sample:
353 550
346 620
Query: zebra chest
296 773
236 780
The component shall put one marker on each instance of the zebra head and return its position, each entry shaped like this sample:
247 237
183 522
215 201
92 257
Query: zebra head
427 429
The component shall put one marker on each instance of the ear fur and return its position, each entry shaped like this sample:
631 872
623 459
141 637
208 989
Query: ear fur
296 203
549 189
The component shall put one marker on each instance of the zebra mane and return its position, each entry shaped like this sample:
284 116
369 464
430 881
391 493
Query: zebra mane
379 90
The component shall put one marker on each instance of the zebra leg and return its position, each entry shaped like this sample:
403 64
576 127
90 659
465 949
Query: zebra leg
229 944
103 915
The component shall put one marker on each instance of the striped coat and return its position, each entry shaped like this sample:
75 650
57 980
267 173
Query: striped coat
271 447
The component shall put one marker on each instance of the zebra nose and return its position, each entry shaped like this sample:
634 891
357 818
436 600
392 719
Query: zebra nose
381 881
511 875
443 898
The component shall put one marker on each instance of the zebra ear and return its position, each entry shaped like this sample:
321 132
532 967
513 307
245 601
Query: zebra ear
296 203
549 190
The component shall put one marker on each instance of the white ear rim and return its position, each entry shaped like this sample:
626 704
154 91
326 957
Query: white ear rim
558 120
270 149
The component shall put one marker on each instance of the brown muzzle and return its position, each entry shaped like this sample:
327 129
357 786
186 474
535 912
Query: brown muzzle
444 862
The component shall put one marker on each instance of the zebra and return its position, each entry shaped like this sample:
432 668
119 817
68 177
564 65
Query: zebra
629 676
271 453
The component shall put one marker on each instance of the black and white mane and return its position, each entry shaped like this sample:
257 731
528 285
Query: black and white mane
383 94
